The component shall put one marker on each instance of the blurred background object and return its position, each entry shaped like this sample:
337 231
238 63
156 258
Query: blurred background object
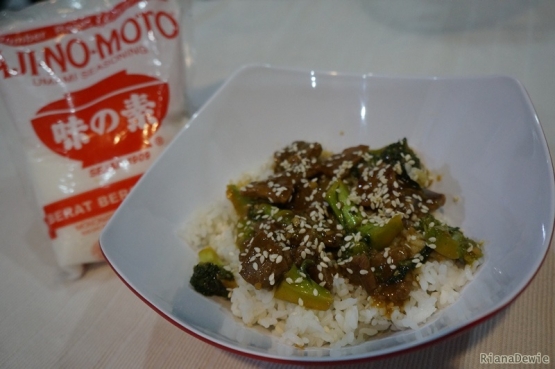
16 4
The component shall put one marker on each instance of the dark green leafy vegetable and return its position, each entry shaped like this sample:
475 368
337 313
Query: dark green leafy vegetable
396 152
210 277
399 152
405 266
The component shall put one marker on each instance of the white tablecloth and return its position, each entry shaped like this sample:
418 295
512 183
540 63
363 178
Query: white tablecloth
96 321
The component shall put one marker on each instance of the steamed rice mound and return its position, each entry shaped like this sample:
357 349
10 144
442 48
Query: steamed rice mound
354 316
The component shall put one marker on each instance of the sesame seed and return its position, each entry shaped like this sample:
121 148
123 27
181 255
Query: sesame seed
301 303
432 245
255 266
393 266
279 259
363 272
315 292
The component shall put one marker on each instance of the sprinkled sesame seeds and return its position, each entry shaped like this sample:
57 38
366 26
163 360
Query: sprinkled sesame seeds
307 227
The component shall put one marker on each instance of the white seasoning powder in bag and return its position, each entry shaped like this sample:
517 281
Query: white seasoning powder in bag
96 90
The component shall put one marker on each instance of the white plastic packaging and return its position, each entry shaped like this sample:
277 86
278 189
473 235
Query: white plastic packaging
96 90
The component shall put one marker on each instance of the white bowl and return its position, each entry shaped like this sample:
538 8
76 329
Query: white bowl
481 134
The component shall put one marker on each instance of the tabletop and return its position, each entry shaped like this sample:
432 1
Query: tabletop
47 321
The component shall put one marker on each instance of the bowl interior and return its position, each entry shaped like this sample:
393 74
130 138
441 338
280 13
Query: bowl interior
480 134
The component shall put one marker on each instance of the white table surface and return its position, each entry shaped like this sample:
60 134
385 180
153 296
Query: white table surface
97 322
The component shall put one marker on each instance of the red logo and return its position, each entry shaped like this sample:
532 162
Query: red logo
114 117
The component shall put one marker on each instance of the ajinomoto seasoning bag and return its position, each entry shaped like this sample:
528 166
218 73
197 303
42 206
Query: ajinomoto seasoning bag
96 90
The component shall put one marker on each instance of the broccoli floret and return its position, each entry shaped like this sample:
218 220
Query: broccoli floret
210 277
211 280
398 152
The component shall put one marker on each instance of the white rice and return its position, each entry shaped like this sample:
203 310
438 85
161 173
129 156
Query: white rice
352 319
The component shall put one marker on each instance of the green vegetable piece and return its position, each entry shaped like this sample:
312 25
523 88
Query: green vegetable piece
381 236
260 211
337 197
396 152
450 242
473 253
300 289
244 232
257 211
209 276
212 280
446 245
405 266
285 217
209 255
356 249
332 200
241 203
